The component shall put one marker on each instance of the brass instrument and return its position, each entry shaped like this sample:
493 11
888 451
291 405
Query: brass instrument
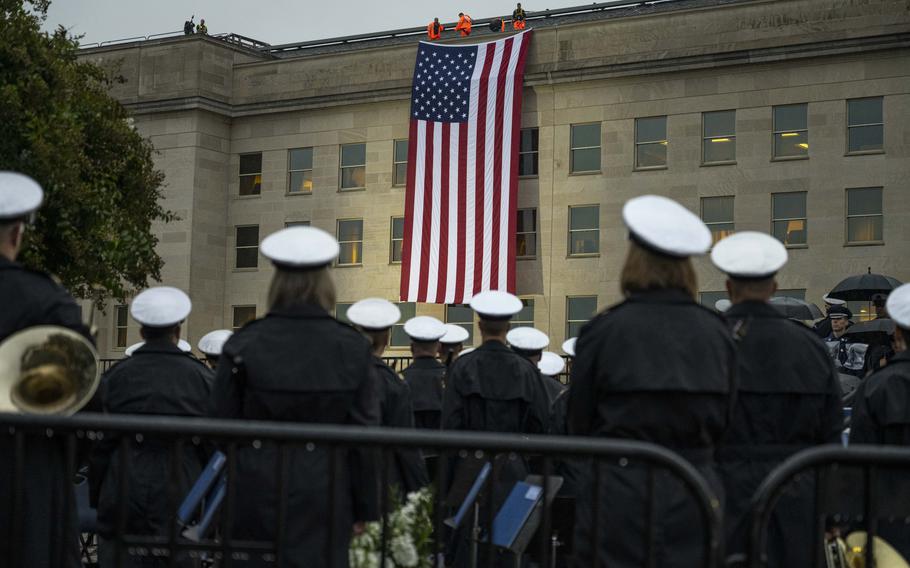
885 555
47 370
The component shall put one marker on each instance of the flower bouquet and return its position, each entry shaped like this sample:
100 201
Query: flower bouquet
410 536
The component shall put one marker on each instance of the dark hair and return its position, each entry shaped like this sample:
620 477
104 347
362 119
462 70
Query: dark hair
298 287
647 270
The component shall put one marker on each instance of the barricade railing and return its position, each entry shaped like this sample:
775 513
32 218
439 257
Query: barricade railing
286 443
841 477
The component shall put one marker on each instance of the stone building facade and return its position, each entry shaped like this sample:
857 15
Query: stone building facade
787 117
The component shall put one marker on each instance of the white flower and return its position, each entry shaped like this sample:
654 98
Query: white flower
404 552
372 560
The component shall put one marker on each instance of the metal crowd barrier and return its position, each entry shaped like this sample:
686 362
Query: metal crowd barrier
233 436
840 475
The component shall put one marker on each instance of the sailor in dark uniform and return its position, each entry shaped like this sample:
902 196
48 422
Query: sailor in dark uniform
452 343
788 399
823 327
159 379
849 356
46 536
375 318
425 374
881 415
299 364
530 342
211 345
660 368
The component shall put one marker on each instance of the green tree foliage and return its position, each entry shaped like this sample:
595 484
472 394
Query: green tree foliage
59 125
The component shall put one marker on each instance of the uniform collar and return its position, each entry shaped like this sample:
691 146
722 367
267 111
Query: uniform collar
159 346
902 357
300 311
662 296
493 345
426 362
755 309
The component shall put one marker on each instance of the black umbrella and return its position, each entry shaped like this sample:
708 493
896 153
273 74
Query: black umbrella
864 286
877 331
794 308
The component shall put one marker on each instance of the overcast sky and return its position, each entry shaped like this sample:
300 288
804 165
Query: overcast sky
271 21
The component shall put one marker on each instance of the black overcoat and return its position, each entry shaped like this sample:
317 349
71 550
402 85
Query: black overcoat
658 368
301 365
788 399
49 533
425 377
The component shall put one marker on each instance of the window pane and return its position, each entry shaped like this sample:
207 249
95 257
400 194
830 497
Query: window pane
353 177
708 299
717 209
399 337
527 220
526 245
353 155
463 316
866 201
864 111
524 318
350 230
527 164
789 205
122 313
791 232
584 135
341 311
251 164
862 310
791 144
790 117
584 217
248 257
397 227
301 182
401 151
248 236
722 149
652 129
650 155
720 231
860 229
297 224
243 315
250 185
720 123
121 337
529 140
350 253
401 174
584 242
864 138
586 160
300 159
581 308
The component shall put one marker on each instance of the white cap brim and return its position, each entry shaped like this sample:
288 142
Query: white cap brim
20 195
300 247
527 339
665 226
496 304
424 328
749 255
374 314
162 306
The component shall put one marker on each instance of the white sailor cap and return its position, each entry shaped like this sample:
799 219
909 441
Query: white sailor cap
833 301
723 305
666 227
527 339
300 247
212 342
183 345
568 346
495 305
466 351
749 255
424 328
454 334
551 364
374 314
898 306
20 195
161 306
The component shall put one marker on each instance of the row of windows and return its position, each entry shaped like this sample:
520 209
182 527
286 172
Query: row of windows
790 139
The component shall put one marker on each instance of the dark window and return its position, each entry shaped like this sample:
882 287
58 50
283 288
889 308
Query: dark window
242 315
651 142
297 224
526 237
788 217
350 237
463 316
719 136
585 147
122 323
341 311
791 131
798 293
397 239
247 247
717 213
584 229
300 170
353 166
864 215
709 299
250 174
524 318
579 309
400 162
527 152
399 337
865 125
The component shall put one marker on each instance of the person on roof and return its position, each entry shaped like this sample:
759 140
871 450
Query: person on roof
518 18
464 24
435 29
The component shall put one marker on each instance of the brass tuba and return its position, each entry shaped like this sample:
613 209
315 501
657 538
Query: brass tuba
47 370
885 555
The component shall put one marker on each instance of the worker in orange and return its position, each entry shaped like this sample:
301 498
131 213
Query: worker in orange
464 24
435 29
518 18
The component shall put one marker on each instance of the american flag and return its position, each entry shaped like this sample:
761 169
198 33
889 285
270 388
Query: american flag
462 179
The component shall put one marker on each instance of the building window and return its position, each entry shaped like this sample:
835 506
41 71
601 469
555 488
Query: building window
584 229
350 237
398 337
247 247
651 142
397 239
865 126
864 215
121 315
300 170
527 152
526 237
791 133
251 174
862 310
400 162
788 218
243 315
524 318
717 213
797 293
353 166
719 137
709 299
463 316
341 312
296 224
585 148
579 309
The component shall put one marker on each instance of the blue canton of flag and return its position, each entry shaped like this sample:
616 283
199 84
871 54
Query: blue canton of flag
442 83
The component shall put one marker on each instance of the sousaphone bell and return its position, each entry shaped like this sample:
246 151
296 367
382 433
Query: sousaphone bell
47 370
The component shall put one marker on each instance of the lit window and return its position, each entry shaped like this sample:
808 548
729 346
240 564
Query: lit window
250 174
527 152
350 238
579 309
247 247
719 136
585 147
353 166
791 133
400 162
524 318
865 126
397 239
463 316
584 230
651 142
399 337
717 213
300 170
120 329
526 237
788 217
243 315
864 215
862 310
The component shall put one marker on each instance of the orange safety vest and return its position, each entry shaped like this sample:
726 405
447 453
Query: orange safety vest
435 33
464 25
518 24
